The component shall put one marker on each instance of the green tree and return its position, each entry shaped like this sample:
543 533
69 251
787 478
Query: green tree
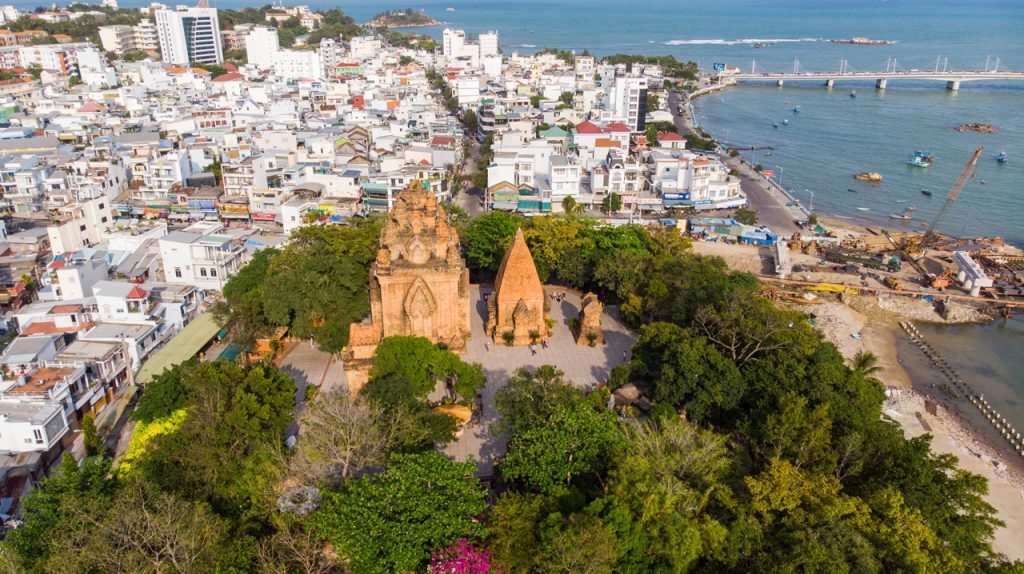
569 205
514 528
653 102
47 509
745 216
488 237
575 441
91 436
470 121
531 397
224 451
686 371
865 366
412 425
579 543
612 203
393 521
622 272
423 364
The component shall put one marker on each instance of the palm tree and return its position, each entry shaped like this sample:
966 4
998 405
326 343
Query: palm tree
864 365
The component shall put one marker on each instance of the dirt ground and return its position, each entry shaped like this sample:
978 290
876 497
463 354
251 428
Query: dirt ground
838 323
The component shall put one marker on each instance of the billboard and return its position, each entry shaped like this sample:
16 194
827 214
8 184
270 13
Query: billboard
677 196
718 67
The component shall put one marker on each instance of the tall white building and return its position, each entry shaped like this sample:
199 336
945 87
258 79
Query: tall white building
297 64
628 102
118 39
146 36
189 35
364 47
260 46
488 44
452 42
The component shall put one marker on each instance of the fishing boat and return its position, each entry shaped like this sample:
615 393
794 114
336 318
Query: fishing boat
920 158
785 122
796 110
926 192
851 190
775 125
864 209
907 214
1001 157
853 93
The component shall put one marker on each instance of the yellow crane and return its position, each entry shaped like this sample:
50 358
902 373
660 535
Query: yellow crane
909 248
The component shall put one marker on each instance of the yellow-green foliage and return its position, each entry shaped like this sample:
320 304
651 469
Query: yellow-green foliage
144 432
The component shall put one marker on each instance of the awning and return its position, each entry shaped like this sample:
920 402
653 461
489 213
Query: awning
180 348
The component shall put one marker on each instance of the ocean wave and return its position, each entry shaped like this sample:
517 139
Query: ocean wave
526 46
724 42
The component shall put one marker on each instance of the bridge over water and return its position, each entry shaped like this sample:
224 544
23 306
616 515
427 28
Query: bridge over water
952 79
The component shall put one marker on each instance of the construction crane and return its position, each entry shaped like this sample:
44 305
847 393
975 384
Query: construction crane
908 246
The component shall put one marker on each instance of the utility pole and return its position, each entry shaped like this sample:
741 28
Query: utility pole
987 58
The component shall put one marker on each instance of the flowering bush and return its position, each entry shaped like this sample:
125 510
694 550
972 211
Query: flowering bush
461 557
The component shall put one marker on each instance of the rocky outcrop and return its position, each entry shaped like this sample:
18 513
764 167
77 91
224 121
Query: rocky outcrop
980 128
872 176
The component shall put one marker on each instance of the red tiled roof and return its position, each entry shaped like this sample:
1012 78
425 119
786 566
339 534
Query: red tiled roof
442 140
669 137
50 328
587 128
424 162
57 264
67 308
90 107
617 127
137 293
229 77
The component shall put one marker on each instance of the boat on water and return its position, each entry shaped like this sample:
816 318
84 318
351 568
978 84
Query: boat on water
926 192
853 93
851 189
1001 157
863 209
775 125
907 215
920 158
449 9
785 122
796 110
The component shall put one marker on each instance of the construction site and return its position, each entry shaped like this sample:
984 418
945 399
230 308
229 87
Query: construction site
929 265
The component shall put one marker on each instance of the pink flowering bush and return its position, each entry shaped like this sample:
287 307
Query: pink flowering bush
461 557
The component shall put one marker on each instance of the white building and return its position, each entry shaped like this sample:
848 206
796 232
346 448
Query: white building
80 225
297 64
261 44
93 69
146 37
626 101
189 35
364 47
118 39
204 260
488 44
452 42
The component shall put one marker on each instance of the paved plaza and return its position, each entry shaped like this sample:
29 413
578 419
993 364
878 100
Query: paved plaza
584 366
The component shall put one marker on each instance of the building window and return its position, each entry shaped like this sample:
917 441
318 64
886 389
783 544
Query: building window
81 228
104 219
38 434
177 272
213 272
202 271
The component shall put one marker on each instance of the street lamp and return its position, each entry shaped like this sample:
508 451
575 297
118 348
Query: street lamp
778 179
810 191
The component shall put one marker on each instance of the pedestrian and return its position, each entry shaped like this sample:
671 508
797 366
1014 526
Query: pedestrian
533 349
544 342
624 356
487 345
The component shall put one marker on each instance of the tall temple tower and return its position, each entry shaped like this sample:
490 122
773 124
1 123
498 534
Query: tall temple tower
518 303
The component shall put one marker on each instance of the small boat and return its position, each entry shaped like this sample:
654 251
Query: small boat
983 182
449 9
796 110
920 158
785 122
901 201
853 93
775 125
907 214
926 192
856 336
1001 157
851 190
864 209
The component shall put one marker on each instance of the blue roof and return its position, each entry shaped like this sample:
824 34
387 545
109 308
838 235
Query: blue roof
351 173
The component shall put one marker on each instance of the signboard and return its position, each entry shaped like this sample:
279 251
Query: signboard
718 67
264 216
677 196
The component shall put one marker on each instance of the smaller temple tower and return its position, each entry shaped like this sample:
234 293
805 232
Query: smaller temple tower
518 303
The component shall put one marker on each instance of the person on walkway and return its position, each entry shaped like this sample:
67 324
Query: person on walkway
533 349
624 354
487 345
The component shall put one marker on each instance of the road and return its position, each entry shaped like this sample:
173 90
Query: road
468 197
770 206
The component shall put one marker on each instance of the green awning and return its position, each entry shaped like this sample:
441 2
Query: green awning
180 348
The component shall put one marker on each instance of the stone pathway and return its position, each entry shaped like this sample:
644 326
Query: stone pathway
584 366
